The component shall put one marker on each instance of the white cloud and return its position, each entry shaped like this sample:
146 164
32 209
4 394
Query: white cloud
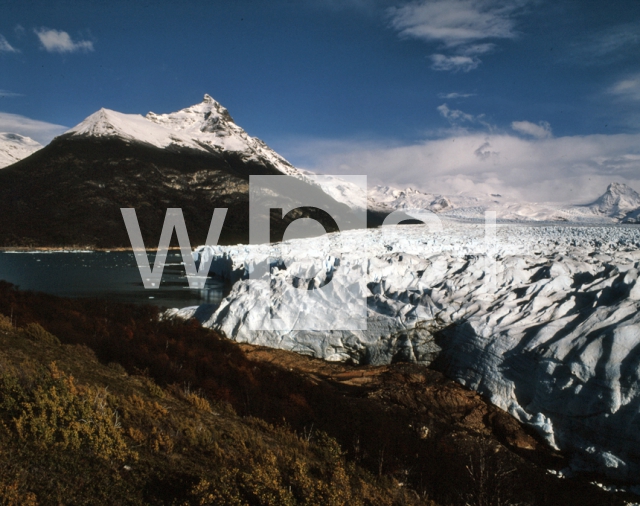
41 131
457 118
540 131
454 94
454 63
560 169
474 49
462 26
5 47
9 94
455 22
55 41
627 88
454 115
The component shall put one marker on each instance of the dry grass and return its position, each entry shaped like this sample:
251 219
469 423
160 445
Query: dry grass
74 431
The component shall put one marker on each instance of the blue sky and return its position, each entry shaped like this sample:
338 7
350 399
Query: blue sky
542 97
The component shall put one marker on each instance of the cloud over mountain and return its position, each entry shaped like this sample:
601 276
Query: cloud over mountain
549 169
41 131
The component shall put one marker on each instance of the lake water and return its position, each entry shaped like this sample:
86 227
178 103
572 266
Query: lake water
109 275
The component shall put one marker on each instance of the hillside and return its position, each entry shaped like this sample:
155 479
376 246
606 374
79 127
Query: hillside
189 417
74 431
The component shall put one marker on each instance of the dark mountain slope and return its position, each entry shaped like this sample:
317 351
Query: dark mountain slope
70 193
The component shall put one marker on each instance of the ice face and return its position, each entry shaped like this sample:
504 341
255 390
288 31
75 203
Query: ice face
550 334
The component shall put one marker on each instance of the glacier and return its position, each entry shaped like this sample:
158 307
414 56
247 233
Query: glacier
542 318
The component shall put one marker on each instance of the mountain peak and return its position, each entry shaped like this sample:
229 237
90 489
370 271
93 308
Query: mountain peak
621 192
618 198
8 136
620 189
209 116
108 123
206 127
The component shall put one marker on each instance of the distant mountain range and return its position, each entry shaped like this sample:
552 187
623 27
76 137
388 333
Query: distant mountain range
619 204
70 192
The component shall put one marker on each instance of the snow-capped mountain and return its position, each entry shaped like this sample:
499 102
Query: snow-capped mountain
71 191
15 147
619 201
410 198
209 128
206 127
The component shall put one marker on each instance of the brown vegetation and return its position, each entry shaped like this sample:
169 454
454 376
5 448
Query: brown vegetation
105 437
279 428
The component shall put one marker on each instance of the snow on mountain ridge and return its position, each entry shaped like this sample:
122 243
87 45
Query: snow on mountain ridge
131 127
208 127
410 198
14 147
207 116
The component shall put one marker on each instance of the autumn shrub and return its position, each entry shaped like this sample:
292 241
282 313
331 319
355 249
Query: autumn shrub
117 368
153 389
12 493
268 476
5 323
57 414
197 401
35 332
